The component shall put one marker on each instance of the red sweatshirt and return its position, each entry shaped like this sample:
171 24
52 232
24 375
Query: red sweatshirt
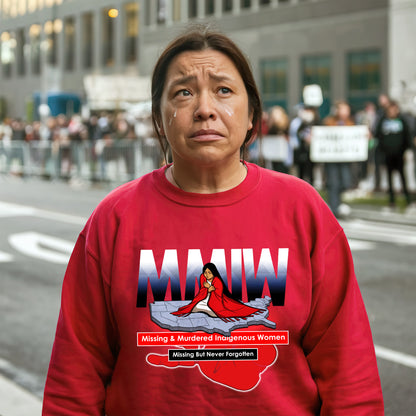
120 351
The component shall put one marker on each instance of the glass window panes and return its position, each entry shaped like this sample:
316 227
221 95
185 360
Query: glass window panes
69 33
176 10
364 71
107 38
87 40
131 31
209 7
245 4
20 52
227 5
192 8
364 77
317 70
34 34
274 81
7 53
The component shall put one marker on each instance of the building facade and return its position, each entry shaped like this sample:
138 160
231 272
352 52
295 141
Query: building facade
353 49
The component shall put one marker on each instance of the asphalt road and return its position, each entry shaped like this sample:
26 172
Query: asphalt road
39 222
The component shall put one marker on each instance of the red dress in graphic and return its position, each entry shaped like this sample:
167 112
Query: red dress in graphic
222 305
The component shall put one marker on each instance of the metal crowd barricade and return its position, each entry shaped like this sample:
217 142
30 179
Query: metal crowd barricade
108 161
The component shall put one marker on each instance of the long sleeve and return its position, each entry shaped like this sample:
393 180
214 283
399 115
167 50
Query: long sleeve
337 341
84 350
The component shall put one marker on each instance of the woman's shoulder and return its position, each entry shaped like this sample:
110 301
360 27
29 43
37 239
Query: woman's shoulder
282 182
293 198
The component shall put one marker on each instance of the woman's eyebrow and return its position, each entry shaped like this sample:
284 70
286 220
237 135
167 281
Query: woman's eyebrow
190 78
182 80
220 77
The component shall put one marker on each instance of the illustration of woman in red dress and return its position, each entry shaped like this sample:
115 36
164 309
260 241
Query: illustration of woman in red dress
215 300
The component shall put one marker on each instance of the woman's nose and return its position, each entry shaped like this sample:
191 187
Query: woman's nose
205 107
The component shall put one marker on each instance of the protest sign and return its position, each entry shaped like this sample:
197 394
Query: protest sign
275 148
339 144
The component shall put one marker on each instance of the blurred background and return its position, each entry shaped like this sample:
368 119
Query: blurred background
75 123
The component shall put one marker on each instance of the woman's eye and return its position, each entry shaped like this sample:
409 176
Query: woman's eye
224 90
183 93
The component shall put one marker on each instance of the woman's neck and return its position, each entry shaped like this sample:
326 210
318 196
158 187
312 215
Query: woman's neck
206 179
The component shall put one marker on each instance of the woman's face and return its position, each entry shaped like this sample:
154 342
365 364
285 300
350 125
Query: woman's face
208 274
204 108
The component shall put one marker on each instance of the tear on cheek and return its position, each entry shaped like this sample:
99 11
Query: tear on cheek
228 110
171 118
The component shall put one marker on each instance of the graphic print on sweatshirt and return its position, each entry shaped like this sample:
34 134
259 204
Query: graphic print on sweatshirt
203 328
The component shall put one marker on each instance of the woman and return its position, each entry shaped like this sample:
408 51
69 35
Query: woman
215 300
271 236
338 176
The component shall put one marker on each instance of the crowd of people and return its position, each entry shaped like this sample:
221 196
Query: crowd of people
391 134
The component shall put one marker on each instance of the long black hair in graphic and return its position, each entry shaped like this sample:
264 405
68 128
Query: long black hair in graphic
216 273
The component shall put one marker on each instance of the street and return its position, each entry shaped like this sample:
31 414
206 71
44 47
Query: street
39 224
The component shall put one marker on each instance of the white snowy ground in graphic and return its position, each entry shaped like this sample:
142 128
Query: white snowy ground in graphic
160 313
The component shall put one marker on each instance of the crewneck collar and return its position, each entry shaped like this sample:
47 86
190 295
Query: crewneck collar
228 197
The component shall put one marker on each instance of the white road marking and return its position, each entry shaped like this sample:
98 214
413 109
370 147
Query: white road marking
395 356
5 257
380 232
16 401
14 210
42 246
358 245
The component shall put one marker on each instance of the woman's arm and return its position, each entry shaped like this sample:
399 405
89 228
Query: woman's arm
337 340
84 351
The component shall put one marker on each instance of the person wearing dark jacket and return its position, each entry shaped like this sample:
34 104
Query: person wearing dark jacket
394 139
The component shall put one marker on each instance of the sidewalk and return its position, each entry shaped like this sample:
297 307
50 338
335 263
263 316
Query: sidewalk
16 401
374 207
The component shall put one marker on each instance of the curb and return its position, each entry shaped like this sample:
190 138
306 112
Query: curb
385 215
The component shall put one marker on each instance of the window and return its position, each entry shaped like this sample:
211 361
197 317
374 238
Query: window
87 40
31 5
8 45
192 8
51 42
131 31
176 10
22 7
20 52
69 32
274 81
364 77
264 2
34 34
227 5
161 11
245 4
108 38
317 70
209 7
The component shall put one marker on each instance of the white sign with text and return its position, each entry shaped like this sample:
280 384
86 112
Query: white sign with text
339 144
275 148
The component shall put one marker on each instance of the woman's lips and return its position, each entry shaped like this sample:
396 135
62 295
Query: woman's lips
206 135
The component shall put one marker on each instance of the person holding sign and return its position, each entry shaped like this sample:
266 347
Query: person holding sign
338 175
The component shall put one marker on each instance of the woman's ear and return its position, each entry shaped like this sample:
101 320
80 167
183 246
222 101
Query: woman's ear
250 119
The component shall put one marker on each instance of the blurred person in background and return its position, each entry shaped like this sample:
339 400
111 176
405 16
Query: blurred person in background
368 117
309 117
153 233
278 126
338 175
394 138
379 162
